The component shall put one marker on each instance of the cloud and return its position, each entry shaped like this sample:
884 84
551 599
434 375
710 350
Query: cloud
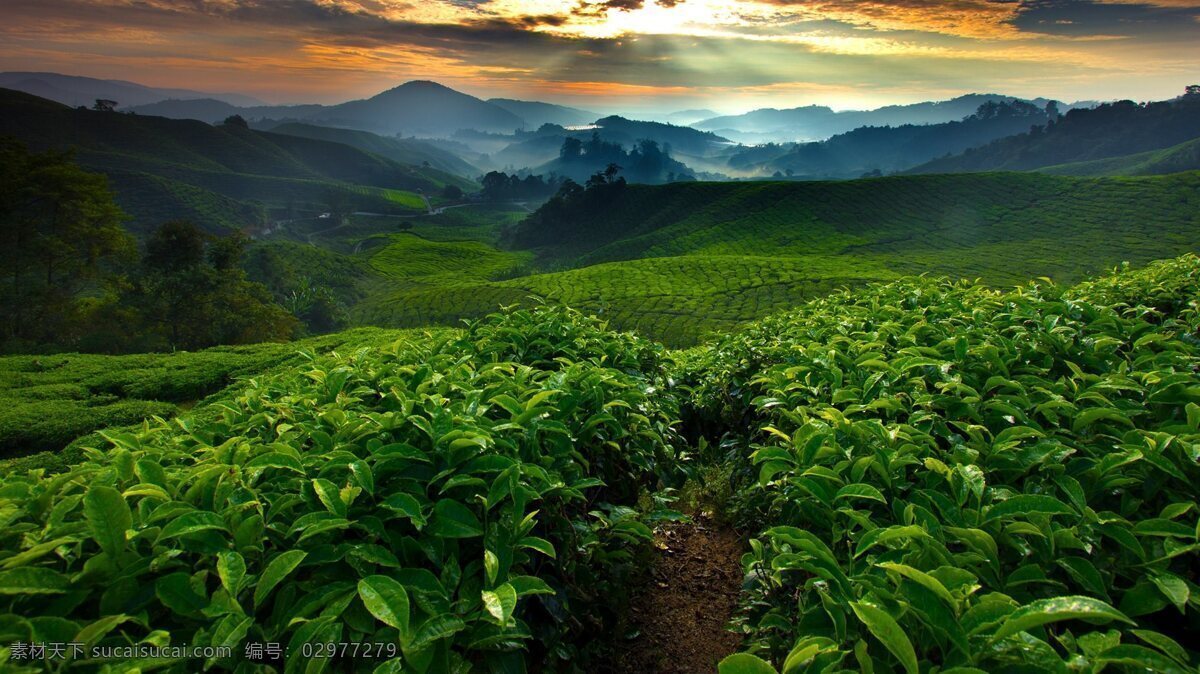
620 50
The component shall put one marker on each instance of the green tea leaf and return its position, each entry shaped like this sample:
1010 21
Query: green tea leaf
889 633
500 603
452 519
279 568
231 568
108 518
1056 609
387 600
1027 504
192 522
33 580
744 663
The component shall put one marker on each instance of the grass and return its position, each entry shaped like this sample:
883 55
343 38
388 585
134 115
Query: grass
402 198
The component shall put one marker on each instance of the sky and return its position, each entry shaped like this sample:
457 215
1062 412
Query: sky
654 55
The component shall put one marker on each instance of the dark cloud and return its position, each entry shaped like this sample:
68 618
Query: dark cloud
600 7
1082 18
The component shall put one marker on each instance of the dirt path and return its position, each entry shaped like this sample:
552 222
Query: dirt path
680 615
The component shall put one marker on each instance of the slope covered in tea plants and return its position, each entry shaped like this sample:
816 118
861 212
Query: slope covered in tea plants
677 262
941 475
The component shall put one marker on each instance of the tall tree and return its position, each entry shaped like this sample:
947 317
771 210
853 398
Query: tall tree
59 226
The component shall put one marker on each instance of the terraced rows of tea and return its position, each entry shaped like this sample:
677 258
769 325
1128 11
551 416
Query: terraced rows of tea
928 475
679 261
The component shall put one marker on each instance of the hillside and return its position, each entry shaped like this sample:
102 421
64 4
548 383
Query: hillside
73 90
164 168
214 111
677 261
401 150
536 113
1081 135
1182 157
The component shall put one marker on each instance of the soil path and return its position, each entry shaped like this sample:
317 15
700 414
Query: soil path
680 614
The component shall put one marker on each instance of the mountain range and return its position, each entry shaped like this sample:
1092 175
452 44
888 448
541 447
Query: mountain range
75 91
817 122
226 176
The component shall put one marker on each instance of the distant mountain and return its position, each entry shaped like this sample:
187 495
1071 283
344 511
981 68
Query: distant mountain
1084 135
212 110
815 122
75 91
536 113
680 138
420 108
402 150
415 108
686 117
886 149
1175 159
222 177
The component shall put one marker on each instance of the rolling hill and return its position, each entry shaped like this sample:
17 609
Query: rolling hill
536 113
213 111
74 91
1182 157
816 122
402 150
678 261
220 175
1083 135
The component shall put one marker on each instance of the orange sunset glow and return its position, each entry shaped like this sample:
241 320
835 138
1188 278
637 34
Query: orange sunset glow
726 54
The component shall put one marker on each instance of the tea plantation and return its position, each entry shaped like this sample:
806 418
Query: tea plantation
678 262
935 475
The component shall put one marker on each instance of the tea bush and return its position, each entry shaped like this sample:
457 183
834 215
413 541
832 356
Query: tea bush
950 478
466 499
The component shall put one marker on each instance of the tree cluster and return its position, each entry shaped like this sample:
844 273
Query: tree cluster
498 186
645 162
73 277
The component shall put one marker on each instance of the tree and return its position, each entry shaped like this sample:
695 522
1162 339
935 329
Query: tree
1192 90
192 292
60 232
452 192
571 148
104 105
236 122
